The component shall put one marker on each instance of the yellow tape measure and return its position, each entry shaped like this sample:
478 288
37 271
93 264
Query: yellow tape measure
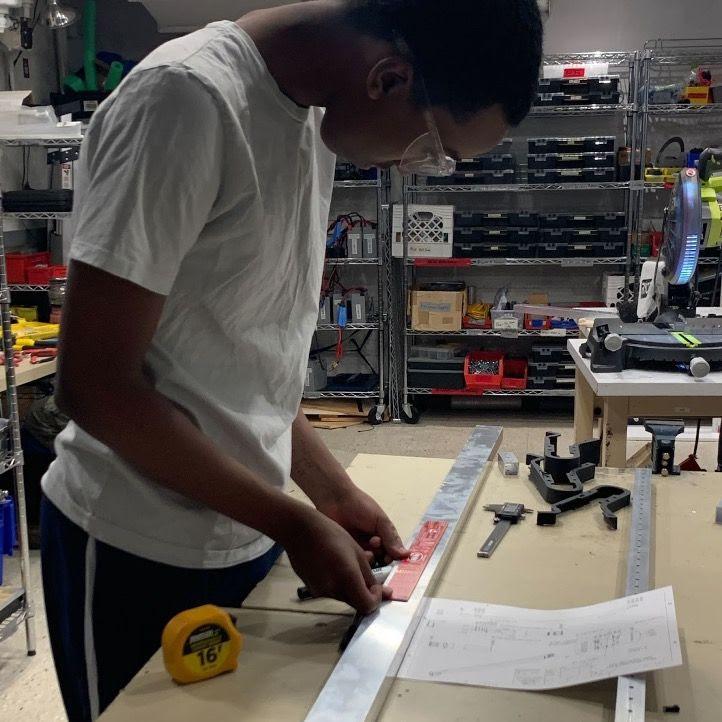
200 643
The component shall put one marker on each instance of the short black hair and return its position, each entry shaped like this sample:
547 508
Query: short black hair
472 54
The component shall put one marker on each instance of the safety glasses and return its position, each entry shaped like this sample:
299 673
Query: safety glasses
425 155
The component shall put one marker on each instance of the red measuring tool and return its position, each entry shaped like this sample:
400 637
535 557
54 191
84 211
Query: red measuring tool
407 573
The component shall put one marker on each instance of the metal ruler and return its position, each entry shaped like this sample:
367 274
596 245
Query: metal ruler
631 690
361 679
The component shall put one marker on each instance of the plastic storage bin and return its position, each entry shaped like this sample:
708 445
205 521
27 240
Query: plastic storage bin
17 265
437 373
484 380
515 373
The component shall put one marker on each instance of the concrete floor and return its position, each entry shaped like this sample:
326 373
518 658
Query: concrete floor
28 687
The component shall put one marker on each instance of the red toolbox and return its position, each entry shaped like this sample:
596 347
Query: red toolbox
17 265
515 373
41 275
490 379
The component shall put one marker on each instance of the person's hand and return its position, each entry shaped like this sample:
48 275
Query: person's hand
331 563
367 523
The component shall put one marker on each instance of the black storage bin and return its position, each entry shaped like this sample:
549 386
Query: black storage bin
499 177
541 382
600 160
553 220
468 235
569 160
470 164
547 99
581 220
498 161
550 85
436 374
610 249
523 219
600 144
582 235
543 368
543 353
466 250
468 178
542 145
612 220
541 161
543 176
579 248
494 234
604 84
553 235
569 175
570 145
552 250
604 97
495 218
599 175
524 235
496 248
577 86
613 235
468 219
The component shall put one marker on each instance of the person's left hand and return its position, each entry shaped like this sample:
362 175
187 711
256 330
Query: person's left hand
367 523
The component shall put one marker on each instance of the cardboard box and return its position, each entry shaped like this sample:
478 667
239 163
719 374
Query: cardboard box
437 310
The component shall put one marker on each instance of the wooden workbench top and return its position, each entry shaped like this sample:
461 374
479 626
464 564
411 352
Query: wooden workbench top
288 655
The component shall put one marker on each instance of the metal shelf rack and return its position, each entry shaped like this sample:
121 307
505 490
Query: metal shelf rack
665 61
380 326
625 64
521 187
16 603
481 262
530 393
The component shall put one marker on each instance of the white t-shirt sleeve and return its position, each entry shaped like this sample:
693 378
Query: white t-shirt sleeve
152 173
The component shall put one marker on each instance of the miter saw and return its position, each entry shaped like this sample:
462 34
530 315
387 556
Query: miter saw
668 336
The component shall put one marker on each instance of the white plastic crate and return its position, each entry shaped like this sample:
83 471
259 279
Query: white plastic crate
430 231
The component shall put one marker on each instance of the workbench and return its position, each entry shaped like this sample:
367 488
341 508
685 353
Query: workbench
291 648
636 392
26 372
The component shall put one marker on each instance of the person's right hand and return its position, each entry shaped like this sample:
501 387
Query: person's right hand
332 564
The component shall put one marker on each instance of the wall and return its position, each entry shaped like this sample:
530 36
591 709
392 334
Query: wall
581 25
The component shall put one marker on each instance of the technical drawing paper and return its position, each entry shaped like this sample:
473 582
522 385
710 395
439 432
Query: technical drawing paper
497 646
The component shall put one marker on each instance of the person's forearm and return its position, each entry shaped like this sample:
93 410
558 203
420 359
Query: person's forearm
314 468
150 433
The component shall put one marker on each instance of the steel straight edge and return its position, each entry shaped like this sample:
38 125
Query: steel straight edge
359 683
632 689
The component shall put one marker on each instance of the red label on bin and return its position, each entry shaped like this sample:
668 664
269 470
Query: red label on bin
574 72
408 572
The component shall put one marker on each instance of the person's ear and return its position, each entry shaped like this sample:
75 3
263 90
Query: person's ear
392 76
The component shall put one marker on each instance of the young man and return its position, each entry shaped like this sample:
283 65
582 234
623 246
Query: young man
193 295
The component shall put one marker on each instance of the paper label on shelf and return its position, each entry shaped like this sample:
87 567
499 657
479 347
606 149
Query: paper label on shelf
490 645
506 324
554 332
576 262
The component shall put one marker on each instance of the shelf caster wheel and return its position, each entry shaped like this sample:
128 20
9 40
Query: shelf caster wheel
410 414
376 416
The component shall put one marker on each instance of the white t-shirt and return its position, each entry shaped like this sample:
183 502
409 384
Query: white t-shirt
205 183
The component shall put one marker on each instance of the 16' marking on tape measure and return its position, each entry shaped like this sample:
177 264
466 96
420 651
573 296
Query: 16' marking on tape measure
407 573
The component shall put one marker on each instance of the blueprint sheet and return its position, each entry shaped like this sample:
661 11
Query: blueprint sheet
497 646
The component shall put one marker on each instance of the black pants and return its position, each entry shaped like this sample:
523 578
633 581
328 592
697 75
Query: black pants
106 609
